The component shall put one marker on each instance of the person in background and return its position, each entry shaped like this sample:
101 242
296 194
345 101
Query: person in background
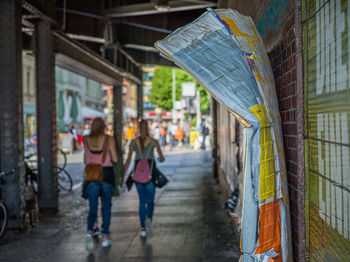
144 146
186 131
179 135
129 133
205 132
156 131
75 137
150 127
94 145
86 130
80 140
162 133
110 130
172 130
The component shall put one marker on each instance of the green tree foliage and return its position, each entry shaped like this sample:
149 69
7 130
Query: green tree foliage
161 91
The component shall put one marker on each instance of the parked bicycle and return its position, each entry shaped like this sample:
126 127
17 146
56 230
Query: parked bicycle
3 209
65 181
31 196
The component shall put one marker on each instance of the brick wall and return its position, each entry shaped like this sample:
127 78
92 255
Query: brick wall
283 62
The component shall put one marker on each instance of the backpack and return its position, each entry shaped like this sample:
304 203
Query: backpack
142 173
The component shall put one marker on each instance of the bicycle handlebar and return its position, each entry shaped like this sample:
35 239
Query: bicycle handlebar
29 156
7 173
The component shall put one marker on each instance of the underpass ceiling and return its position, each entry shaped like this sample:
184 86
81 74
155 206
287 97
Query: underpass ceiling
88 19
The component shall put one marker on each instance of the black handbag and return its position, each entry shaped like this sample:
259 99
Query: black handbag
158 178
129 182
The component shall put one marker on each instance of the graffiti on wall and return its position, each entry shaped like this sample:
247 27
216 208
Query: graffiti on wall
326 43
272 16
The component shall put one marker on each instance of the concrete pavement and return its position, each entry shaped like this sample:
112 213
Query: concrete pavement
189 223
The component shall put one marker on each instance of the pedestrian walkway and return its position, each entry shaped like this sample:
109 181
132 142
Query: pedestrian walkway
189 223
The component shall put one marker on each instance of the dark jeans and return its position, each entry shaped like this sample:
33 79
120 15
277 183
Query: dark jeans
94 190
74 144
173 141
146 197
203 145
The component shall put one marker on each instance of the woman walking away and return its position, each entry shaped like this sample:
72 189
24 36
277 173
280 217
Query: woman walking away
100 151
143 146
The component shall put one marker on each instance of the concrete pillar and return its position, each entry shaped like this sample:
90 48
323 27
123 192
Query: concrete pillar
118 119
139 101
11 116
215 137
46 117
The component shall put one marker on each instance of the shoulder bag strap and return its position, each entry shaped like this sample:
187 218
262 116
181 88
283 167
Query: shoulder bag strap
138 146
105 145
85 141
149 149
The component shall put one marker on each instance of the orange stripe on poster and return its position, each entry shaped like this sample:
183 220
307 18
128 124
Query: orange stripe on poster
270 228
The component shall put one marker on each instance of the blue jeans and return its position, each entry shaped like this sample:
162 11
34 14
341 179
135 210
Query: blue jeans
94 190
162 141
146 196
203 145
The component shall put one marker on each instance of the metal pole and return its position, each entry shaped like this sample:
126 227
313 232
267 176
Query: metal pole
215 137
118 120
46 117
11 117
139 101
174 93
198 115
118 124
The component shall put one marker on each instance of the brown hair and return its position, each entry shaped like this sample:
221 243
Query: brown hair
143 123
98 127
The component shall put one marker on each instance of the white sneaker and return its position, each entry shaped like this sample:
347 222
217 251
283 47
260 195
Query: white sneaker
106 242
149 227
89 243
143 233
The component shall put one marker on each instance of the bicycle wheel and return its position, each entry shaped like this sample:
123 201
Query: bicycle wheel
3 218
65 181
61 158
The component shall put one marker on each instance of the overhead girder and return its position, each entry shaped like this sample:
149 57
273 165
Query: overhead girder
63 45
152 8
138 36
137 33
41 8
146 57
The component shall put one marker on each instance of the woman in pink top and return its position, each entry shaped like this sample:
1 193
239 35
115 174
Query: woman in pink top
93 145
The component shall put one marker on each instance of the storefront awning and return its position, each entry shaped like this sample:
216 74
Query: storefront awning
88 112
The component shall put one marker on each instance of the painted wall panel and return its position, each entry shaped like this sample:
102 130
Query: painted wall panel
326 42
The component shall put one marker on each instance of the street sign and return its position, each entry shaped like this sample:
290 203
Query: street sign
188 89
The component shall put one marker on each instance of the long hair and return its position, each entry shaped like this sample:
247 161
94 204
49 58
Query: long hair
98 128
143 125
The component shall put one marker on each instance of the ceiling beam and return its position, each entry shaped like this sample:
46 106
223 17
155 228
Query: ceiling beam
83 69
146 57
79 53
88 38
141 47
153 8
147 27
